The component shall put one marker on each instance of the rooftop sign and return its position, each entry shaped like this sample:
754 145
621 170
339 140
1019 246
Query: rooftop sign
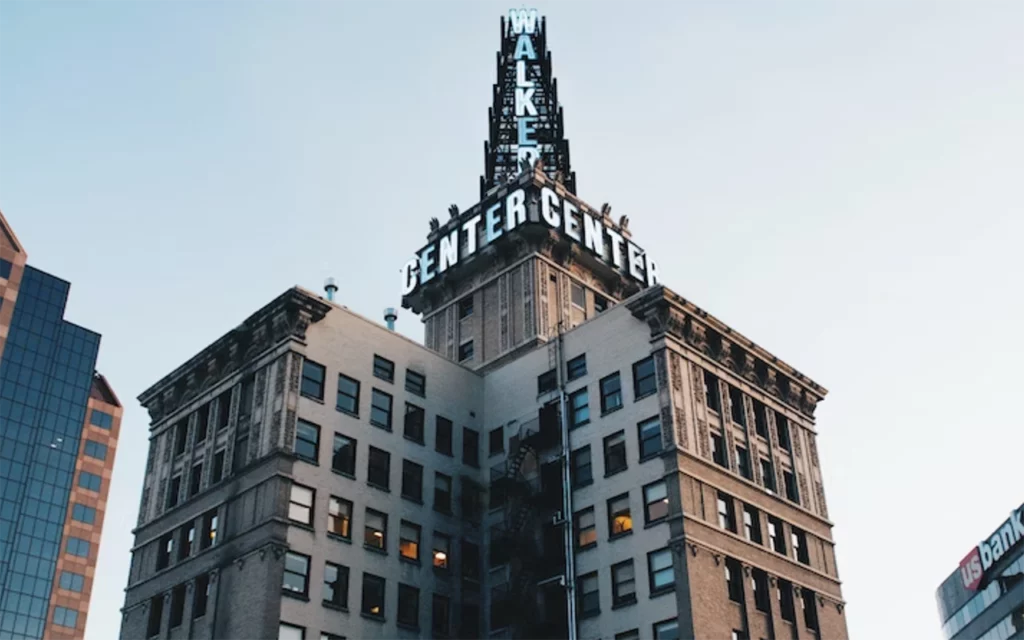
977 563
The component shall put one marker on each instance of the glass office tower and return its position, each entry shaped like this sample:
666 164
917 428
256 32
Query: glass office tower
48 393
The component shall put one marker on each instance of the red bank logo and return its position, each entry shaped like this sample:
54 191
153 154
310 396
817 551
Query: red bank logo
970 570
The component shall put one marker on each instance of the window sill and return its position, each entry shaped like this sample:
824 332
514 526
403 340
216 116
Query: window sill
382 552
345 474
445 453
628 602
339 537
442 572
663 591
407 626
495 453
370 616
605 412
297 596
579 424
419 441
646 395
385 427
303 526
313 398
585 483
378 487
417 393
408 560
592 545
589 614
309 461
335 606
412 499
619 536
651 456
615 472
443 511
347 412
654 523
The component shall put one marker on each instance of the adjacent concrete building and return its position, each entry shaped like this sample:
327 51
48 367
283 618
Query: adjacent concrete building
59 422
576 451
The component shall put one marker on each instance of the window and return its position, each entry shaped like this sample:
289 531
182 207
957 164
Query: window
378 472
786 608
82 513
163 550
632 634
296 574
443 436
775 535
209 530
611 393
578 295
496 441
470 447
180 437
442 551
188 536
409 541
586 529
78 547
712 392
241 451
373 595
726 512
156 615
579 409
440 616
615 453
93 482
177 605
666 630
287 631
307 441
223 410
300 507
246 396
339 517
383 368
408 606
811 609
739 635
312 380
173 490
466 351
739 414
100 419
743 462
768 474
649 436
655 502
790 481
661 574
195 480
752 523
547 381
623 584
782 431
577 367
375 533
348 395
581 472
760 418
380 409
470 560
718 450
202 423
589 598
442 493
414 421
330 636
343 458
644 382
469 620
96 450
471 500
218 467
466 307
335 591
620 522
600 303
201 596
416 383
734 579
64 617
412 481
759 585
72 581
799 539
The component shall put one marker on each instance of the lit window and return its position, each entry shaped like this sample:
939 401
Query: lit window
409 541
620 522
442 551
339 518
373 595
375 532
586 529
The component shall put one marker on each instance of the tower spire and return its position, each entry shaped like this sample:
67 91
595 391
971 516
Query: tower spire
526 122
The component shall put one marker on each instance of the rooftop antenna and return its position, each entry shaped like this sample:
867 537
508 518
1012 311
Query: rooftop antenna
330 287
390 315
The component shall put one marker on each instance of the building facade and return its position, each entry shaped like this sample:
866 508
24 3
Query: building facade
984 598
575 452
60 421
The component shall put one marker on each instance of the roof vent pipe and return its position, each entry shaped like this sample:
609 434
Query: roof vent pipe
390 315
330 288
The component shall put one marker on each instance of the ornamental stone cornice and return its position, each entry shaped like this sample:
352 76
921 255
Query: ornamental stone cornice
667 313
286 317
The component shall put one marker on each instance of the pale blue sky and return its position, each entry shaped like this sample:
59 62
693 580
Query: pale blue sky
839 181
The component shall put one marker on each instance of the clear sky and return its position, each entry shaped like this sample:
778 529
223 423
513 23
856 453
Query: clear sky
843 182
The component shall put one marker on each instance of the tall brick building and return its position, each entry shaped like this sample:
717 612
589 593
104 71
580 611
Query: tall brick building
59 422
576 451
